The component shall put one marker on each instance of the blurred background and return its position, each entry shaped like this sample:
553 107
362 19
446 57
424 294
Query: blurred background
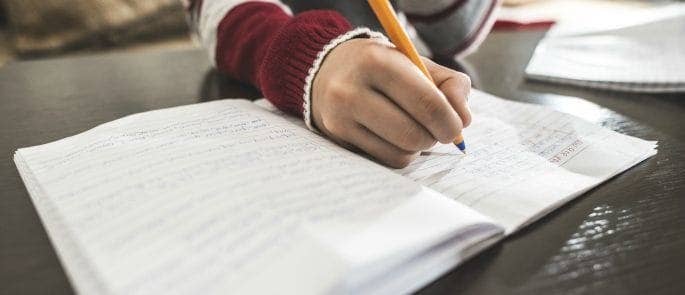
47 28
44 28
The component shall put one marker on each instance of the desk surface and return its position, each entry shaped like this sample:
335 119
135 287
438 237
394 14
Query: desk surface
626 236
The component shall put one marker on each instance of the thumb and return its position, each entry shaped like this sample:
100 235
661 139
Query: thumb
455 86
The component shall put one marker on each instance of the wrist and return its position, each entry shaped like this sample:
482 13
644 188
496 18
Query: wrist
290 56
308 95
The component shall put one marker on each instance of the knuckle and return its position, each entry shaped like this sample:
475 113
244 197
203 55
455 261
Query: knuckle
345 103
374 56
410 138
459 99
464 79
413 138
335 89
429 104
335 128
340 96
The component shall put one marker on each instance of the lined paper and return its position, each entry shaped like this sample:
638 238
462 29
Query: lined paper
227 196
525 160
645 57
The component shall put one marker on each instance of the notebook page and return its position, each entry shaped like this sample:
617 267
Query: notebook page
646 57
213 197
525 160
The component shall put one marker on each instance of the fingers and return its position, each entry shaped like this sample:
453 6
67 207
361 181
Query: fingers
406 86
355 137
369 96
380 149
455 85
388 121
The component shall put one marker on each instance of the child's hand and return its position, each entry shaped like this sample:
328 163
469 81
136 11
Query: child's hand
369 95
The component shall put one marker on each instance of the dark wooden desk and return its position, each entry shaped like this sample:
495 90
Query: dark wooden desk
626 236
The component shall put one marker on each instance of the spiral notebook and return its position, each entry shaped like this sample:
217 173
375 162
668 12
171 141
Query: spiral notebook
231 197
644 57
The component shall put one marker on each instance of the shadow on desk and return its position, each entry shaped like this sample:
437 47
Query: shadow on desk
217 85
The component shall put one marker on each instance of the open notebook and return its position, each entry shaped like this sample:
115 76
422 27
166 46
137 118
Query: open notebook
645 56
229 196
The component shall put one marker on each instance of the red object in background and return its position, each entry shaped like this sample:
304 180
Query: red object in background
505 24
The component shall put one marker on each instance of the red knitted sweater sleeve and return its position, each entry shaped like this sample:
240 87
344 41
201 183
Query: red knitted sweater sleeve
259 43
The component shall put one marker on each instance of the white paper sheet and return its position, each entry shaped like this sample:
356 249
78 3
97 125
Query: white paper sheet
525 160
222 196
645 57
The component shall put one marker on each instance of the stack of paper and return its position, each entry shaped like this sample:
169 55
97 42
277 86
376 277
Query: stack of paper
646 54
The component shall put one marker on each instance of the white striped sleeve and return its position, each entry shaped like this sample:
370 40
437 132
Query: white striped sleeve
210 15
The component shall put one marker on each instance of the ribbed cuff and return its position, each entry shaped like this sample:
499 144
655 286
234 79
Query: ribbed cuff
314 69
295 55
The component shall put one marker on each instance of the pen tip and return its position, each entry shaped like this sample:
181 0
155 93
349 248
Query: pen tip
461 146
